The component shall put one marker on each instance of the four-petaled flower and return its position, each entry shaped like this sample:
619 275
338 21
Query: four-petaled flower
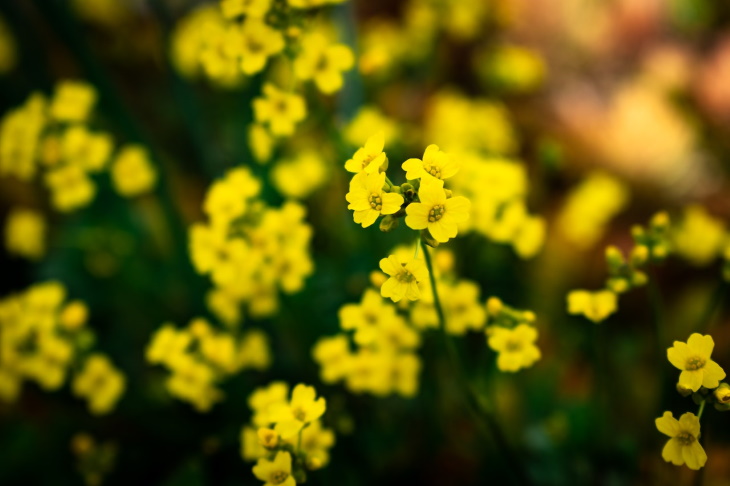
683 447
693 358
370 157
516 347
301 410
281 110
368 200
276 472
404 278
435 163
437 212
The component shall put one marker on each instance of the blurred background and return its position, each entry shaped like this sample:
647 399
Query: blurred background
611 111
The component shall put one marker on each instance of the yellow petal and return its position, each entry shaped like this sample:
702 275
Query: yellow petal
672 452
668 425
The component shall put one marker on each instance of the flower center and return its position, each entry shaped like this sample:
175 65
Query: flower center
299 414
405 276
278 477
513 346
694 363
437 212
375 202
685 438
433 170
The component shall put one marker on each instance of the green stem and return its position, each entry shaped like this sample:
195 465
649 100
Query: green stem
655 300
702 409
476 405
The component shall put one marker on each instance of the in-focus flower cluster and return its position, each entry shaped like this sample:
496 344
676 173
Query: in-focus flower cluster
249 250
286 437
54 136
44 338
200 357
701 378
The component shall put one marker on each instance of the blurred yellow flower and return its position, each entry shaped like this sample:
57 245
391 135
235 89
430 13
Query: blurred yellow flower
25 233
255 42
693 359
323 62
683 446
369 120
516 347
250 8
73 316
89 150
301 176
595 306
276 472
100 383
404 278
71 188
301 410
280 110
699 237
8 48
132 172
72 101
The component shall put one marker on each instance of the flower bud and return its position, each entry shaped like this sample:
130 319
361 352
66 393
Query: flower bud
639 279
617 285
638 232
722 393
448 192
659 251
74 315
377 278
428 239
614 258
684 391
384 165
660 221
529 316
639 255
494 306
314 463
389 223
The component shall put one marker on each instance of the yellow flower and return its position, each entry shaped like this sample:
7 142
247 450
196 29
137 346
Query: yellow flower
699 237
516 347
437 213
25 233
250 8
368 200
276 472
89 150
370 157
100 383
435 163
73 316
71 188
253 350
683 447
301 176
256 42
366 122
72 101
264 398
323 62
404 278
333 356
132 172
281 110
167 344
595 306
693 359
301 410
261 143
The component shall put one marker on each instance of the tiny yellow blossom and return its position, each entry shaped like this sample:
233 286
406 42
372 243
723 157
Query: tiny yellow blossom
437 213
25 233
100 383
71 188
516 347
268 438
74 315
683 446
368 200
276 472
89 150
72 101
301 410
595 306
404 278
370 157
693 359
132 172
256 42
323 62
280 110
435 163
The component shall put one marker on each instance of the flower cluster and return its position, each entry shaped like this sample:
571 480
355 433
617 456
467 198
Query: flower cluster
44 338
200 357
286 437
249 250
699 377
25 233
652 245
54 136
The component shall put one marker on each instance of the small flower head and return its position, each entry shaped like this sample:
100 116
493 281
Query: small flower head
370 157
516 347
280 110
683 446
268 438
595 306
303 408
255 43
435 163
323 63
404 278
368 200
132 172
693 359
437 213
276 472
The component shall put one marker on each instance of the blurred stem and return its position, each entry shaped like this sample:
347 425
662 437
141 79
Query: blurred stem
706 322
657 312
475 403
